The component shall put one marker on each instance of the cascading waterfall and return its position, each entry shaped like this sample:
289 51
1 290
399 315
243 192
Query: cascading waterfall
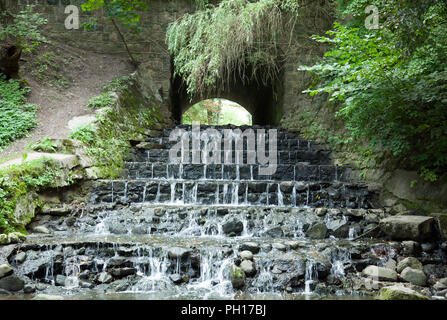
184 228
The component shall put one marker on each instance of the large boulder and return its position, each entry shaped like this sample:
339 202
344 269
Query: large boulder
398 292
338 228
379 273
414 276
5 270
237 277
250 246
233 227
317 231
417 228
248 267
409 262
12 283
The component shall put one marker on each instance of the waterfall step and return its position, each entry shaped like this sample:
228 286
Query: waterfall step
300 172
218 222
218 192
286 156
189 265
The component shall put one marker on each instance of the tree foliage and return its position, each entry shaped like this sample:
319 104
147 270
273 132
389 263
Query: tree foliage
123 12
24 28
390 85
233 37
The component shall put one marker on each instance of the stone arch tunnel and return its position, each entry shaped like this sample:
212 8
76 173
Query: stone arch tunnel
262 101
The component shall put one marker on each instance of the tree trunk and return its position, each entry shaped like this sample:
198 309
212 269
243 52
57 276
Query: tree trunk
9 60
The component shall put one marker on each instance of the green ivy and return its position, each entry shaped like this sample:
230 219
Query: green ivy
17 117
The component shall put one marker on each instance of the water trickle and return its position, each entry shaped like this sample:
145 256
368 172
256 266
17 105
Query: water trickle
125 191
294 196
180 168
217 194
280 197
307 195
157 196
235 194
310 276
224 194
173 185
144 193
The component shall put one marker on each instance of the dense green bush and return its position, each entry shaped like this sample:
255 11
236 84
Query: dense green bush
390 84
17 116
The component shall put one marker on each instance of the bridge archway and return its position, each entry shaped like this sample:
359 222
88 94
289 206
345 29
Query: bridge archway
217 112
262 101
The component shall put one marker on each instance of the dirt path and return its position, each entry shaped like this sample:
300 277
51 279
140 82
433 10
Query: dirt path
89 73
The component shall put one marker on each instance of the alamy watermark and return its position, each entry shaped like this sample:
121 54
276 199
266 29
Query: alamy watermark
372 20
206 147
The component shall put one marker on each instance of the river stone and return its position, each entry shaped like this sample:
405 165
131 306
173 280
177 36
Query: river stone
60 280
104 277
122 272
233 227
237 277
338 228
414 276
379 273
86 284
41 229
409 262
116 262
279 246
441 284
391 264
317 231
250 246
12 283
176 278
248 267
5 270
20 257
410 248
246 255
399 292
29 288
275 232
42 296
409 227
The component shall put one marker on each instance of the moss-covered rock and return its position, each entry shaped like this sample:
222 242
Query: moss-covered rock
398 292
237 277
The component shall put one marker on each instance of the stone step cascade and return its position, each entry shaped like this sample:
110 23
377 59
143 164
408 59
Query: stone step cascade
168 230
